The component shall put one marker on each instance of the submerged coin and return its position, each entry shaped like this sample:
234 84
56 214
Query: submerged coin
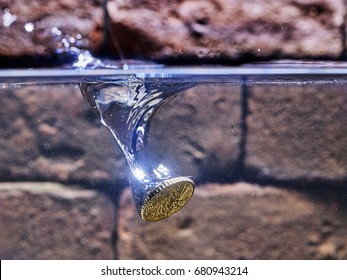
167 198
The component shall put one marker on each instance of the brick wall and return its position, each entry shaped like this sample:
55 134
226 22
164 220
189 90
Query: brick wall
180 31
269 158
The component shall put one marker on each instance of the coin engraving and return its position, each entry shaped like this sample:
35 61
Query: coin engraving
168 200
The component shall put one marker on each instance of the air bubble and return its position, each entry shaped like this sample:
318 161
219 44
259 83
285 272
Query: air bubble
72 40
56 31
8 18
29 27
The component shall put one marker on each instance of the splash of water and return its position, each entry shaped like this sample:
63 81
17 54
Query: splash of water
72 46
126 107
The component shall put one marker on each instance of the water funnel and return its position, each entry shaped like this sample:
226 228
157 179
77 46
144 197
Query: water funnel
126 105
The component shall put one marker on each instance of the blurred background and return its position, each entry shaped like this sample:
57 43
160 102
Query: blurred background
269 157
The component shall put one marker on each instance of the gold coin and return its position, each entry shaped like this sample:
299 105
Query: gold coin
167 198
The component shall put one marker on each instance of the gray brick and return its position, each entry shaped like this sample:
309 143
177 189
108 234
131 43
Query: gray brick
54 25
227 29
297 129
52 221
